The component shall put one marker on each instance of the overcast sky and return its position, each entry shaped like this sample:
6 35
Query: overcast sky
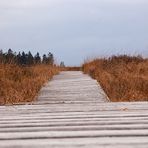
75 29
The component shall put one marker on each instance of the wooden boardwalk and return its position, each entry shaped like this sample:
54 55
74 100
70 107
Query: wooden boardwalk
72 111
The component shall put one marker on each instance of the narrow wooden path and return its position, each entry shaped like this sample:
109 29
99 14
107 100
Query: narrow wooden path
72 111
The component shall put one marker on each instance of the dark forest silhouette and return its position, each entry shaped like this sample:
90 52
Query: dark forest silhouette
25 59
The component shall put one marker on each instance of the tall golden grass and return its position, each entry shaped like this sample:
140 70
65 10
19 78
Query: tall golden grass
22 84
71 68
123 78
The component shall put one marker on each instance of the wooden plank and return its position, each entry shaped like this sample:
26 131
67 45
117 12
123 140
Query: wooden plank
76 116
112 142
75 128
72 123
72 134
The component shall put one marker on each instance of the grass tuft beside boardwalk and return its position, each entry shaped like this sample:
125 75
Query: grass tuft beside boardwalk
71 68
124 78
22 84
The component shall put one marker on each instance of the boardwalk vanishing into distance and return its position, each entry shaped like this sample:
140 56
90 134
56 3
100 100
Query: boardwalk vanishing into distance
73 111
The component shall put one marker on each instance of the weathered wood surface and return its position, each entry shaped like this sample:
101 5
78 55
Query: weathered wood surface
73 111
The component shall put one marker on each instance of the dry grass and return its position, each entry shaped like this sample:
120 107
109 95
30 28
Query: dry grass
123 78
22 84
71 68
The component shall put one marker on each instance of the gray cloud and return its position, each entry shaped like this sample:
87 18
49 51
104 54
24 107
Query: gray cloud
74 29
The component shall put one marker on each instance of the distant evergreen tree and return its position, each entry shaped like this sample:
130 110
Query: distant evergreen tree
45 60
10 57
37 58
30 59
50 59
62 64
18 57
23 59
1 56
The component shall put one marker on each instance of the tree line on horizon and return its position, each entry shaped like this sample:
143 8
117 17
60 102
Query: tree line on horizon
25 59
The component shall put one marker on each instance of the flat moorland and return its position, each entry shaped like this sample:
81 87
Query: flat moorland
123 78
22 83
